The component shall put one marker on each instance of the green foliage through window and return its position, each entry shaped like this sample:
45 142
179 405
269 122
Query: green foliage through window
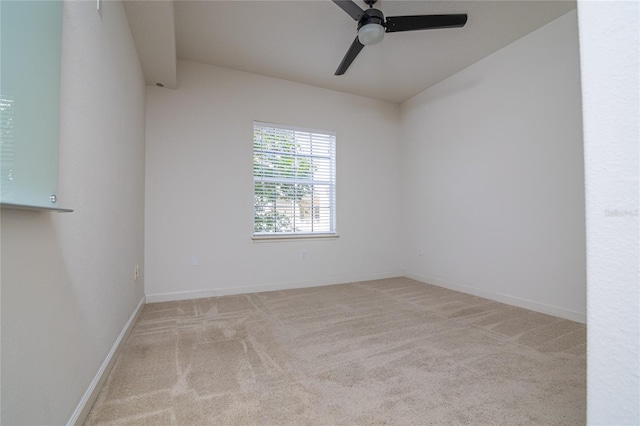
294 180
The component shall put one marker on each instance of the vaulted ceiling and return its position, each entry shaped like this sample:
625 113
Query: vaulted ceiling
304 40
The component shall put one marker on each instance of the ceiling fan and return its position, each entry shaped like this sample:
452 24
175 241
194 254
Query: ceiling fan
372 26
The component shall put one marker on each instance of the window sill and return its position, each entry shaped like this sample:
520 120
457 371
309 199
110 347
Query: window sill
292 237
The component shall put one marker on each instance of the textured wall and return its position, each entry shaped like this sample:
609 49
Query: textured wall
67 279
492 165
609 34
199 185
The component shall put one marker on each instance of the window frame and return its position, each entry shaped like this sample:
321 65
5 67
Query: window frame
293 235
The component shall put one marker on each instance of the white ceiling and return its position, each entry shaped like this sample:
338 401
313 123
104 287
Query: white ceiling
153 28
305 40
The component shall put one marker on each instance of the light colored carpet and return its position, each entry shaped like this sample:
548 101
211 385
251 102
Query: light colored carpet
393 351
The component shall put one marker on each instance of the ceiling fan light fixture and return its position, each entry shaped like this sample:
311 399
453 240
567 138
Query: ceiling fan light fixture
370 34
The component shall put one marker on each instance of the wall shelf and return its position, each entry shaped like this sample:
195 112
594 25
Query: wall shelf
34 208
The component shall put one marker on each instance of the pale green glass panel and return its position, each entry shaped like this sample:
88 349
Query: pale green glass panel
30 41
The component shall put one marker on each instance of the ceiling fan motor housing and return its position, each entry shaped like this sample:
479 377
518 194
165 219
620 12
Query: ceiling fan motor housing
371 16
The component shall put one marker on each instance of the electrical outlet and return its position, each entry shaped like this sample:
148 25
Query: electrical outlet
195 260
420 251
136 273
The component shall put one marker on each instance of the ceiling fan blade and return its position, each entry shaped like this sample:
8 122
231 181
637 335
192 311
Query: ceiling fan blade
424 22
351 8
351 54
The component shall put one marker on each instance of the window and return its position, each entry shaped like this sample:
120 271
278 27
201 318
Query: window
293 181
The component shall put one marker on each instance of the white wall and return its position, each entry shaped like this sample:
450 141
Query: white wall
199 186
67 279
492 179
609 34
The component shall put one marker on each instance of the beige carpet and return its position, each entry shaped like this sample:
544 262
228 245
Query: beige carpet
393 351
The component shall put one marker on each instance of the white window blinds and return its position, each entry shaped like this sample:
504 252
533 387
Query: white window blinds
294 180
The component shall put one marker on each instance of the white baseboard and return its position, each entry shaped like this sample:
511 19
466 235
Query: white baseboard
504 298
228 291
82 410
